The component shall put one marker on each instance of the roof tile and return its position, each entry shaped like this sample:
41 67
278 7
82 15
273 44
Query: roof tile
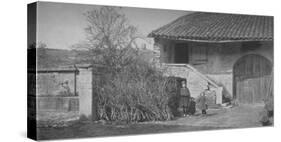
217 26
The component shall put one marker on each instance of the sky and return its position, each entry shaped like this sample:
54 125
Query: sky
60 25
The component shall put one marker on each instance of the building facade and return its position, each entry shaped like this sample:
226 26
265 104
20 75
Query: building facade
233 53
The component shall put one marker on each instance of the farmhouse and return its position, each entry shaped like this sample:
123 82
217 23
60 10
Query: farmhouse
232 53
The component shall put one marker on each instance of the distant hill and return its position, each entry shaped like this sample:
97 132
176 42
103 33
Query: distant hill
52 58
47 57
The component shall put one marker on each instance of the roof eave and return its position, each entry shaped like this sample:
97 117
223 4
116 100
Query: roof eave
220 40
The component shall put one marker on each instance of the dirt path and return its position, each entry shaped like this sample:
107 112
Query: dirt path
236 117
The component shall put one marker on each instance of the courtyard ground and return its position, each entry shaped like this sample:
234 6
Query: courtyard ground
236 117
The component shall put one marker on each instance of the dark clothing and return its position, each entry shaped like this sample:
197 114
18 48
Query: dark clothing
185 92
184 101
185 97
192 107
270 113
266 123
204 111
185 110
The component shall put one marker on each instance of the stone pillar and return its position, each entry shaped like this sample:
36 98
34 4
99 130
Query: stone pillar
84 89
219 95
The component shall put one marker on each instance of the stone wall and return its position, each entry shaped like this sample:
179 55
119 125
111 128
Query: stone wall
221 61
52 95
196 82
56 83
221 57
58 104
225 81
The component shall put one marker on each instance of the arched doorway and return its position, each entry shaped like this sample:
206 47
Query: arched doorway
251 78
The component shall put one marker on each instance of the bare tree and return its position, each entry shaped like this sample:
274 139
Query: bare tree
110 37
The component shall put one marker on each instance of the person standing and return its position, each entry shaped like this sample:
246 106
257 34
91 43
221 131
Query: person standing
202 101
185 98
192 106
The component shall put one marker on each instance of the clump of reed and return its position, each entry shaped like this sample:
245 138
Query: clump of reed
138 92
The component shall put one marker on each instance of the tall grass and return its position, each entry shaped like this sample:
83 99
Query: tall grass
138 92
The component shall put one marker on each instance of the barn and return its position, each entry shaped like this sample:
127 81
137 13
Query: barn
232 53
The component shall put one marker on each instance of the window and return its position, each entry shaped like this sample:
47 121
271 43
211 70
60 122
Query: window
199 54
181 53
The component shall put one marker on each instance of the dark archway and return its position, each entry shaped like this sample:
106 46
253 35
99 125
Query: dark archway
251 77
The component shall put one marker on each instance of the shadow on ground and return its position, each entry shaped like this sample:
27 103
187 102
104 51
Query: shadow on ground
237 117
89 129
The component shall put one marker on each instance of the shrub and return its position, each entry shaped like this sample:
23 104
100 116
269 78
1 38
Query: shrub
173 88
138 92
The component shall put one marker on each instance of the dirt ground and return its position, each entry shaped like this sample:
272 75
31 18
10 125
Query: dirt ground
100 130
236 117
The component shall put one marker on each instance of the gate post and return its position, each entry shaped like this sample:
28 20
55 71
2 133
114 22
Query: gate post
219 95
84 88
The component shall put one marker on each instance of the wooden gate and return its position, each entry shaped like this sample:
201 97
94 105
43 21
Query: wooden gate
251 78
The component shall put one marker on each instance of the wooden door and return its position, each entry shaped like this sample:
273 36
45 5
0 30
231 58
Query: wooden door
252 90
252 77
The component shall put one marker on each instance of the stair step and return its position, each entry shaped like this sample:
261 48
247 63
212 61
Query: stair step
213 106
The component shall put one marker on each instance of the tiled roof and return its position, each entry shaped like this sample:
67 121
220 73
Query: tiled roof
217 27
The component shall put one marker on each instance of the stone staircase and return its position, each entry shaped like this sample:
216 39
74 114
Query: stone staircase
196 81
